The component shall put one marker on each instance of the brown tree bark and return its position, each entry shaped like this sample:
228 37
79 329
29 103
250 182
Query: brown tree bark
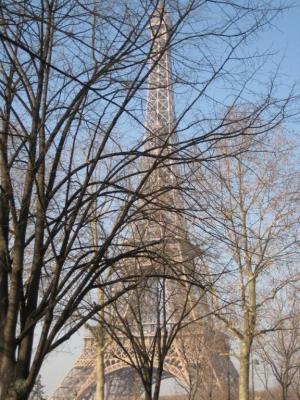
100 372
244 370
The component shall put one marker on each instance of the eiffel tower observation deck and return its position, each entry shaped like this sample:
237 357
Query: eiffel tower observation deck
164 226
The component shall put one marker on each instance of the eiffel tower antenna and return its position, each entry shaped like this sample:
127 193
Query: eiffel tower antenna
160 117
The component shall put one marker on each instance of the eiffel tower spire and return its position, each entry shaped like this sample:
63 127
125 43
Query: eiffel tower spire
162 216
160 116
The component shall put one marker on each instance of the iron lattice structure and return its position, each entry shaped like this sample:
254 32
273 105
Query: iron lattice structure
216 375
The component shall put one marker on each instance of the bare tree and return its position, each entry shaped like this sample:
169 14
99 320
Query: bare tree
72 82
206 353
296 385
279 351
145 323
252 225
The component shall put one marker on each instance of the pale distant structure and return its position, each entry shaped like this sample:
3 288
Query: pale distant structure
211 373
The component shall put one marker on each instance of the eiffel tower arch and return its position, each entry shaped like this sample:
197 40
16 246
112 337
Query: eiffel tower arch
80 382
217 376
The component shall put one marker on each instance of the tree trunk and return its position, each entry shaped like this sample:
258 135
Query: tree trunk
148 396
100 373
99 334
157 384
13 395
12 387
6 376
284 392
245 348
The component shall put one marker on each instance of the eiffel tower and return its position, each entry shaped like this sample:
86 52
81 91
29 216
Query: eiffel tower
160 224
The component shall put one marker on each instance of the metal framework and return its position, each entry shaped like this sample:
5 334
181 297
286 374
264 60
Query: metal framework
160 138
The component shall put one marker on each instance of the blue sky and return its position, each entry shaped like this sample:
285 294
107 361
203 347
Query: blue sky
286 38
